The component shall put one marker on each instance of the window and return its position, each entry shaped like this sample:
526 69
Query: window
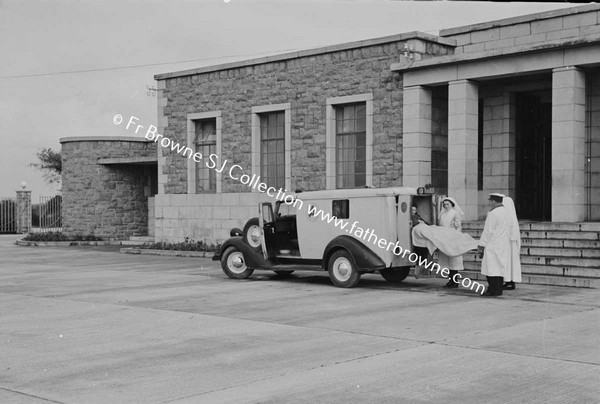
349 141
205 142
341 208
272 148
350 145
203 136
271 144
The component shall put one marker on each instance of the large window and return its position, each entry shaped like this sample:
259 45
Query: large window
272 148
350 145
349 141
205 142
271 144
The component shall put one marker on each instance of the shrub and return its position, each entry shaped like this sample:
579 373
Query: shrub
57 236
186 245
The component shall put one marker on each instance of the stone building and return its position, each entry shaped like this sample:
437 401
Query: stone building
108 186
507 106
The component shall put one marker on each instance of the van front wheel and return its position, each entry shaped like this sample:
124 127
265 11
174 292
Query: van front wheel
234 264
395 275
342 271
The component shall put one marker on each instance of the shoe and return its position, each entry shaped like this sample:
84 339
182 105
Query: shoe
450 284
488 294
509 286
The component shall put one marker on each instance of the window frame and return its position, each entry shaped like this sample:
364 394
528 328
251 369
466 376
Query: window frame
257 111
191 143
331 136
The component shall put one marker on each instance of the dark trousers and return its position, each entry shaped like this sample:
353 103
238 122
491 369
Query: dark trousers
495 285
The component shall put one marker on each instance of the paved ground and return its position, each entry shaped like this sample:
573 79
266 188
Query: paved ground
89 325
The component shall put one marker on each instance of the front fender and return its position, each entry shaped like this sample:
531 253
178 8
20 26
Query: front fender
364 258
253 259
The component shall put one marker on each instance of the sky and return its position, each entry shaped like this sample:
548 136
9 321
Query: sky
69 66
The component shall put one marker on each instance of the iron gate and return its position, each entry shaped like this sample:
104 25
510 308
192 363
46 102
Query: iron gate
47 214
8 215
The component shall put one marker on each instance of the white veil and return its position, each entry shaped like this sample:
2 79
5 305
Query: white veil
515 232
456 207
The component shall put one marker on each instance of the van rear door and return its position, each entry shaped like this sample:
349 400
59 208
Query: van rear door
403 230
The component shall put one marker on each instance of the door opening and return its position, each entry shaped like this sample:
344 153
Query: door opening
533 182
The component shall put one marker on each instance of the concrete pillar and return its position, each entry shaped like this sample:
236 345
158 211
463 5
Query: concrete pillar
416 141
23 211
568 144
462 145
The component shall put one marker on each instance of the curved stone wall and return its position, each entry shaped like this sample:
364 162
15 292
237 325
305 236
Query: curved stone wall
106 183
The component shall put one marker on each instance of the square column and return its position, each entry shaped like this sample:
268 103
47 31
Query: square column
568 144
23 212
462 145
416 138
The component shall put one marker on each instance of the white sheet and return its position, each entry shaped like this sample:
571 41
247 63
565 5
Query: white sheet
451 242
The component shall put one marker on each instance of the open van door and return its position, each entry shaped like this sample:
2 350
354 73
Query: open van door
266 221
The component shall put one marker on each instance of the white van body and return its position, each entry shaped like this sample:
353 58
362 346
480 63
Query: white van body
345 231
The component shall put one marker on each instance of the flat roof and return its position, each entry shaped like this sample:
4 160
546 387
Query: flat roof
519 19
148 160
309 52
103 139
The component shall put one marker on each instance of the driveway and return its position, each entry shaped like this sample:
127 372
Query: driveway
90 325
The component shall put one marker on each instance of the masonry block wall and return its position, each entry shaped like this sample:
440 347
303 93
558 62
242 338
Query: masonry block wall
498 145
491 37
105 200
305 82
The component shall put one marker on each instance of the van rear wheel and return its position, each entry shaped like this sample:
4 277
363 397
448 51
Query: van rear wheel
234 264
342 271
395 275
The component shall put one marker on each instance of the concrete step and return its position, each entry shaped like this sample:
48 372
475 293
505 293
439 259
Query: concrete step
560 252
547 235
573 281
548 270
542 226
144 239
138 240
547 260
551 243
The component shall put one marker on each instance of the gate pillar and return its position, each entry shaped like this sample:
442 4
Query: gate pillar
23 211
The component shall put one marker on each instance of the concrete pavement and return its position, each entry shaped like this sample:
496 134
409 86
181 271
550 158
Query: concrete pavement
89 325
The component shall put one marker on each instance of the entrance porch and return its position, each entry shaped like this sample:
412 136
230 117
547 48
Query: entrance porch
521 120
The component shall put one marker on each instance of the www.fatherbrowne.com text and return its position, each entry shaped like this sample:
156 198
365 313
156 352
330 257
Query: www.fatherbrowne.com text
236 172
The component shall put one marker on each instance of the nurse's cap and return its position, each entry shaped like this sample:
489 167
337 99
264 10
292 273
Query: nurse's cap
497 197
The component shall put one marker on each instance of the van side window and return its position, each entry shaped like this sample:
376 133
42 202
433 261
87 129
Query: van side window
341 208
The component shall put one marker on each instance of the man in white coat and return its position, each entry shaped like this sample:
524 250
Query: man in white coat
495 241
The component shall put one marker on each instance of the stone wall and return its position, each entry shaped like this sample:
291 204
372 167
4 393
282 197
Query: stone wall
305 82
509 34
107 200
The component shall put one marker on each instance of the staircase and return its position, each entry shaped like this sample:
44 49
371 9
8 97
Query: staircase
560 254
